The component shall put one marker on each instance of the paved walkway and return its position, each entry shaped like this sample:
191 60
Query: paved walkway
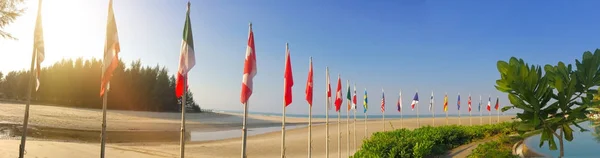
464 150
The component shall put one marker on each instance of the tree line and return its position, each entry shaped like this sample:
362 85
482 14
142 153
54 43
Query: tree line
76 83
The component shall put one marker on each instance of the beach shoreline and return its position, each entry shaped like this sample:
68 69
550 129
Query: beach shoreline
126 132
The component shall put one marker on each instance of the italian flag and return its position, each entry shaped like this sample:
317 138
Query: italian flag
187 59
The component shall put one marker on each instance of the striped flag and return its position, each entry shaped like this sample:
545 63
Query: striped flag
415 101
489 105
365 102
382 101
309 84
445 102
469 102
249 68
348 95
288 82
38 42
111 50
431 102
497 104
399 104
458 102
328 89
354 98
338 95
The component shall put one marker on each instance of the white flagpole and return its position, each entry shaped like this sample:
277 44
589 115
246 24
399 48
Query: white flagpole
339 145
470 119
327 104
283 131
354 129
498 110
366 126
401 116
348 120
480 114
244 129
182 139
103 132
459 119
309 131
490 112
417 106
432 109
383 111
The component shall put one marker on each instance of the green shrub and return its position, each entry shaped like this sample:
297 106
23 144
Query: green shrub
427 141
498 148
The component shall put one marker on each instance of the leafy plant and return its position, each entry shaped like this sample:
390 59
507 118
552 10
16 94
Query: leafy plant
427 141
498 148
553 100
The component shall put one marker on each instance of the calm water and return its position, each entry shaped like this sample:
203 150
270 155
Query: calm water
360 114
218 135
584 144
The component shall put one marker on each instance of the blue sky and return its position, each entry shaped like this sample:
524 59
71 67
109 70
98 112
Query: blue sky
444 46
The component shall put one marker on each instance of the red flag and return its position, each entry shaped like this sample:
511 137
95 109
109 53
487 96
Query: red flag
249 68
338 95
111 51
309 84
288 79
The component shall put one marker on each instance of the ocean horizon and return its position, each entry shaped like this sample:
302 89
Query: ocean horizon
361 115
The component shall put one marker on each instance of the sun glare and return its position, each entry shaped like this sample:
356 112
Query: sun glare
72 29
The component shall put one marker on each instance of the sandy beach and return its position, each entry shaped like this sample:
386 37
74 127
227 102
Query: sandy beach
261 145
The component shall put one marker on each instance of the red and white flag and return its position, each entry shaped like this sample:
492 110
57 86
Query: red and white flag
187 59
38 42
111 51
249 68
288 78
338 95
469 102
309 84
354 98
382 101
328 89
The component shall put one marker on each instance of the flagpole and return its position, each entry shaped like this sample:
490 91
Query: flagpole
417 105
283 131
26 115
309 130
432 110
244 130
348 131
103 132
327 105
383 120
354 129
183 100
459 120
480 114
339 145
366 126
470 119
498 109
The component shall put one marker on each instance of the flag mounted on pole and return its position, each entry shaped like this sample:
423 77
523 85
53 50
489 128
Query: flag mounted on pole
469 102
111 51
354 101
288 78
446 103
328 90
431 102
399 103
249 68
365 102
338 95
309 84
415 101
489 105
249 73
458 102
497 104
38 42
187 59
348 95
382 101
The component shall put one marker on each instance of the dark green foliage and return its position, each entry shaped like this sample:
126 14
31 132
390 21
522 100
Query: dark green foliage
427 141
552 99
77 84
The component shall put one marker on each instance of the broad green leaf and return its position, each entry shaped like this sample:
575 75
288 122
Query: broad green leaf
568 132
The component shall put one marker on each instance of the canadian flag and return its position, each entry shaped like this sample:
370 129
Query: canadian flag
249 68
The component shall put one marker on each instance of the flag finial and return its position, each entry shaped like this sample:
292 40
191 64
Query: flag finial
188 4
250 23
